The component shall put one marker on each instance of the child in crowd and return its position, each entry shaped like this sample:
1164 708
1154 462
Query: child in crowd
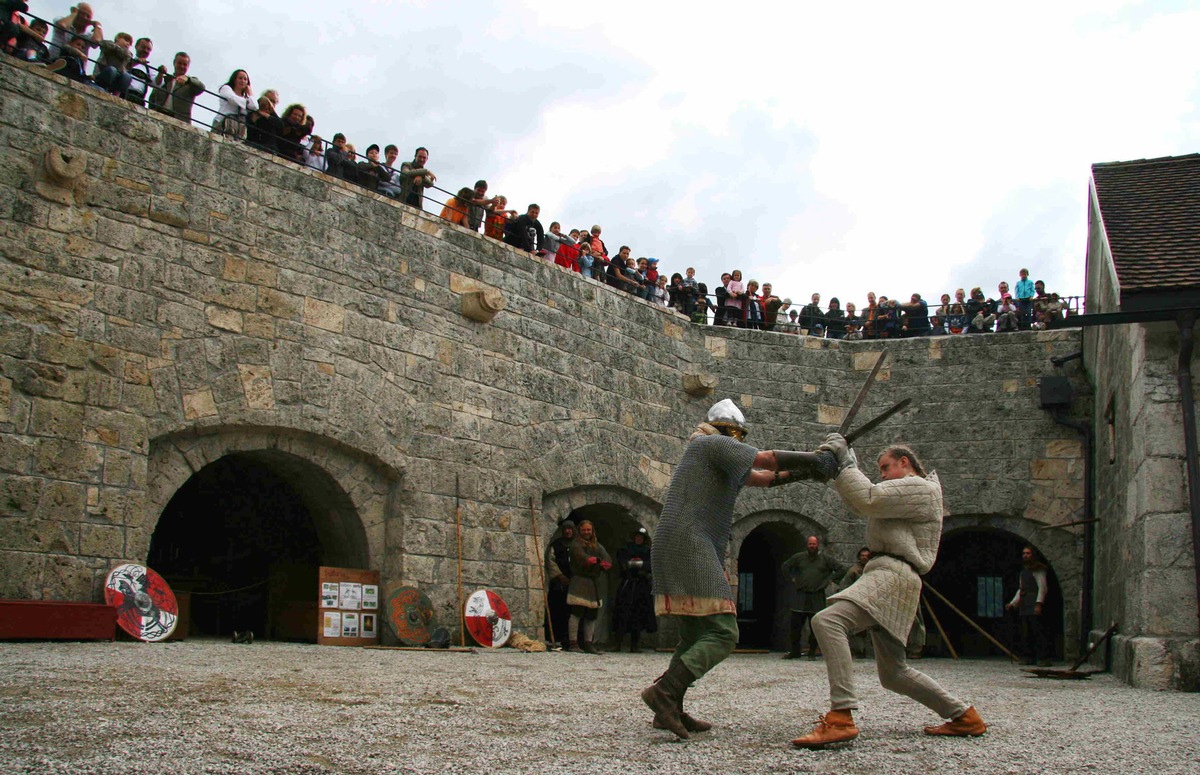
1007 314
585 259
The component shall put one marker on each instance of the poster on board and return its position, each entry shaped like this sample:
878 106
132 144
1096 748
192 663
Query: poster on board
346 597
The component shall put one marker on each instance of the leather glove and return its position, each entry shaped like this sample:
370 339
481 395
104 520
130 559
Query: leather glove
837 444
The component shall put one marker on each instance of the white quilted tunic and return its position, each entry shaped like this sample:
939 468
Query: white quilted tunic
904 517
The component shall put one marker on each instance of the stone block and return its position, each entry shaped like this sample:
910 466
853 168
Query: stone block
56 418
68 578
107 541
21 575
199 404
1160 486
223 318
256 382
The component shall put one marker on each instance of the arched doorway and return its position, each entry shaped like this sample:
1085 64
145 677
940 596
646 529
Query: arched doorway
978 570
614 528
762 591
245 536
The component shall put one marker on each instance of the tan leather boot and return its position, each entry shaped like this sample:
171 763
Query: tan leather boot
968 724
836 726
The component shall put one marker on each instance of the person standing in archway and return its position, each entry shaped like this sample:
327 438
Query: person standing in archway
1030 603
904 528
558 579
633 609
690 582
810 572
589 561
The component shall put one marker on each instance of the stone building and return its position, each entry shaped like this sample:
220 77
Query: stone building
236 369
1143 257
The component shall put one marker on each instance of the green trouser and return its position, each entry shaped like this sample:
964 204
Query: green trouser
705 641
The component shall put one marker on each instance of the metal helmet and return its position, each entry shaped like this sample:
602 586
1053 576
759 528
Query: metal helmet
726 416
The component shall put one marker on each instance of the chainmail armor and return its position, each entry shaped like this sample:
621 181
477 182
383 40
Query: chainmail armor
688 550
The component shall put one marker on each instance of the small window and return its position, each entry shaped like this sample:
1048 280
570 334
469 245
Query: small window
745 592
989 597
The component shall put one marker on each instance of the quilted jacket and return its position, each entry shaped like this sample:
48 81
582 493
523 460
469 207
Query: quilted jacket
904 518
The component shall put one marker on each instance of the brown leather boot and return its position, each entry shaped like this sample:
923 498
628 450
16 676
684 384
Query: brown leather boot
663 698
968 724
836 726
690 723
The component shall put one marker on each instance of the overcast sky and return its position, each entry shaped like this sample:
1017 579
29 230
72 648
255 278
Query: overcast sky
825 147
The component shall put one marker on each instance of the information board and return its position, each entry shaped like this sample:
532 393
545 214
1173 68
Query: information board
349 607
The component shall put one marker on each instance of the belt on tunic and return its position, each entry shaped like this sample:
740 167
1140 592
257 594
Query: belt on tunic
901 558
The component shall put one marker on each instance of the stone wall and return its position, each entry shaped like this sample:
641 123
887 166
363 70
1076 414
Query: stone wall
1145 579
168 298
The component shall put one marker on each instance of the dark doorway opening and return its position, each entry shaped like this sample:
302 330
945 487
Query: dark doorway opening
245 536
763 594
978 569
614 528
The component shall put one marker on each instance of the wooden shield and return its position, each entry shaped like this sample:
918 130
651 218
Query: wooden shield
146 607
410 613
488 619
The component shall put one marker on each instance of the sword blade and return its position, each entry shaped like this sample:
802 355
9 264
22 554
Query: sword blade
862 394
875 423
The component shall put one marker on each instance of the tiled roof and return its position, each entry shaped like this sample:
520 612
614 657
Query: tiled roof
1151 212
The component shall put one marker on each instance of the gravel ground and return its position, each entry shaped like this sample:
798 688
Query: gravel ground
214 707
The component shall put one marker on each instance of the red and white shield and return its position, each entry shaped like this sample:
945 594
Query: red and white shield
146 607
488 619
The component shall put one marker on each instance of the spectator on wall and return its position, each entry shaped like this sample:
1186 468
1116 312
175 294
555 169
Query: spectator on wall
1007 314
981 311
30 44
391 184
76 24
237 103
340 161
721 293
1025 294
74 58
480 206
175 94
498 218
662 295
835 320
812 318
525 231
585 259
852 320
598 246
264 125
141 72
735 302
954 314
771 306
371 173
553 239
112 65
314 153
869 329
916 316
297 125
702 305
753 313
457 207
414 178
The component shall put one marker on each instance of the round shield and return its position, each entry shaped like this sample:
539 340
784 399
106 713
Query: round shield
488 619
146 607
411 615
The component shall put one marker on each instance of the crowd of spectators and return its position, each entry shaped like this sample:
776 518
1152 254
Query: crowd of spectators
122 67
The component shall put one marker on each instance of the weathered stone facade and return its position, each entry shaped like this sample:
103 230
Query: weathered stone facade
193 298
1146 567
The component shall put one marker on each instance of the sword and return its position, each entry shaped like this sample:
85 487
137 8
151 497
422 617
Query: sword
862 394
875 423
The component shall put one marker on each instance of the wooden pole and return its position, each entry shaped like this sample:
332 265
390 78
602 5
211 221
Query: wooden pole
537 551
462 616
938 624
973 623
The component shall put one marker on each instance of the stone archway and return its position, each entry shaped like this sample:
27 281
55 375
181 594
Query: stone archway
243 518
616 513
977 568
759 545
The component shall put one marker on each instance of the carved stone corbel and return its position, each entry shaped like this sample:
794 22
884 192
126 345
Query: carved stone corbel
482 305
699 384
60 175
